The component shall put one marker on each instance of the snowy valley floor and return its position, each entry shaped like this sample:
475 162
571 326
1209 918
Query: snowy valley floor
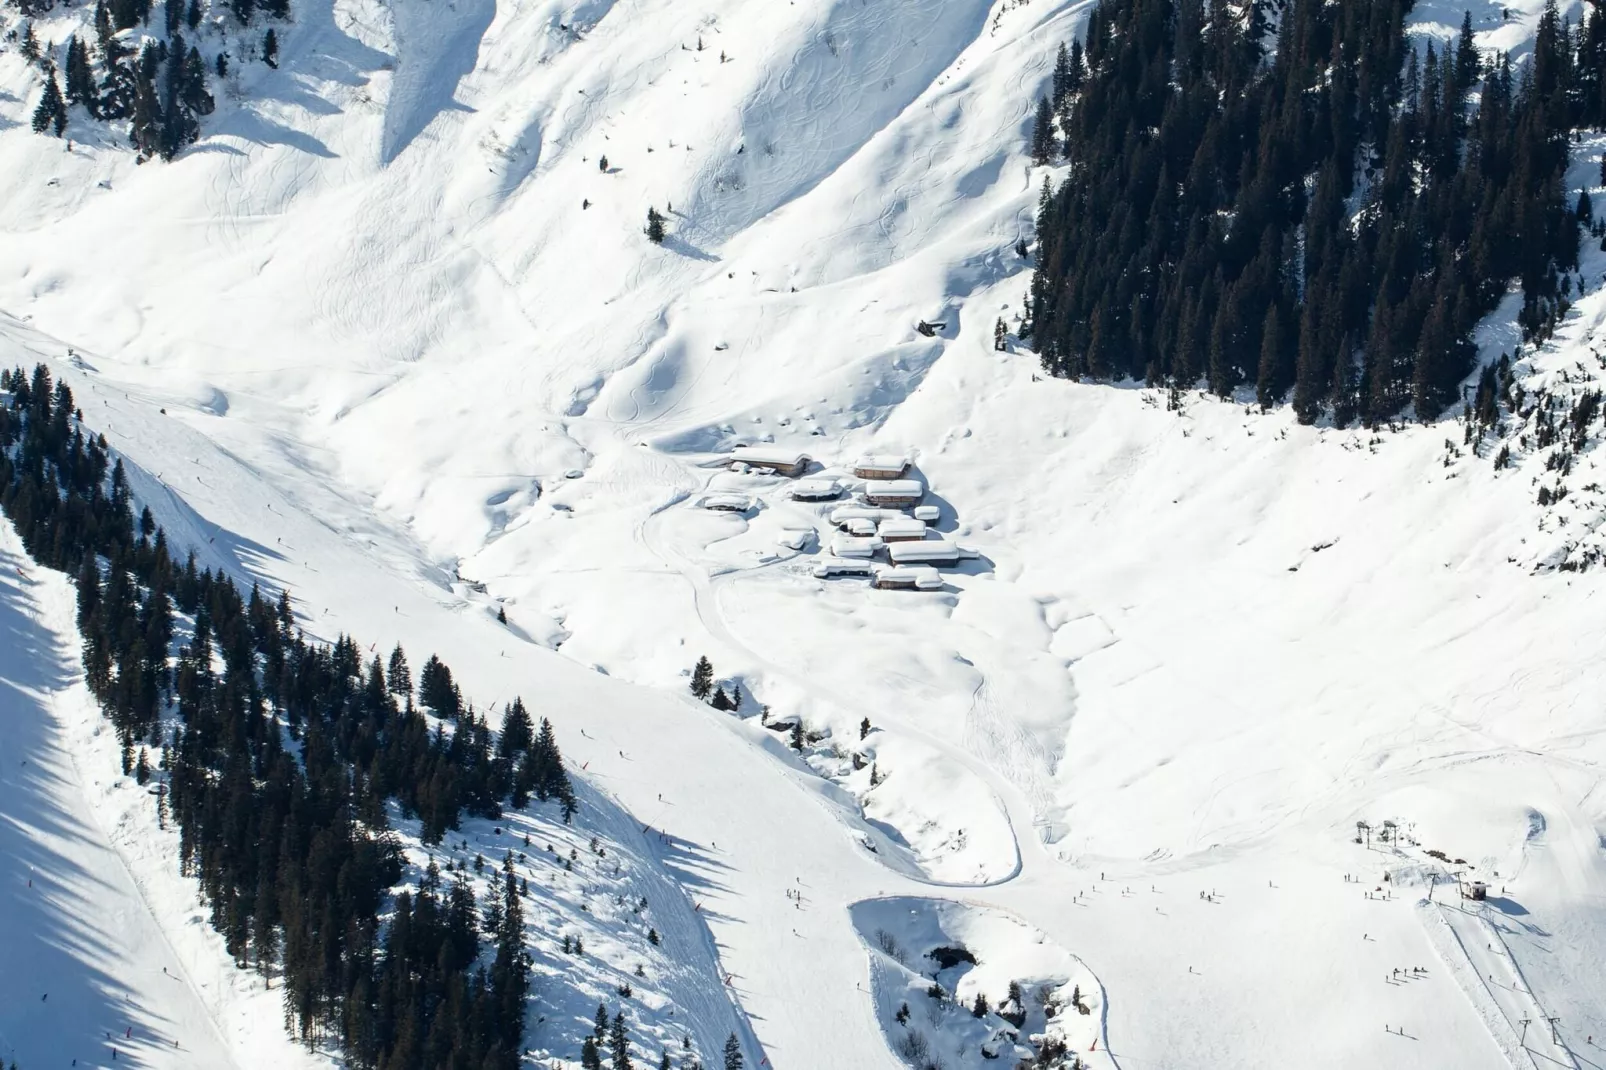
364 343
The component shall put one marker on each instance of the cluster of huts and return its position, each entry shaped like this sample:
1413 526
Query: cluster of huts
887 521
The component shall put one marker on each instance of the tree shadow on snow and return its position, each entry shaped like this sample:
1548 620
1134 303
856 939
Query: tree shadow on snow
254 128
62 1004
676 244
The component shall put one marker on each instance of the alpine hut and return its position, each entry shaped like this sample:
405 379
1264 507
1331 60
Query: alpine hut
894 492
771 459
881 466
901 529
814 490
935 552
853 546
909 579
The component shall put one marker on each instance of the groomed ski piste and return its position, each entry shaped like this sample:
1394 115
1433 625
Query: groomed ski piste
363 342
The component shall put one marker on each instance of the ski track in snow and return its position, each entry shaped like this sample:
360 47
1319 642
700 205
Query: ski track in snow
356 342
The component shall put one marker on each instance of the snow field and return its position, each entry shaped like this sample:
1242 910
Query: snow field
970 951
384 330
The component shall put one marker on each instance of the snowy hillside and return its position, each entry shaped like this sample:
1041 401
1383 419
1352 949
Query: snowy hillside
391 335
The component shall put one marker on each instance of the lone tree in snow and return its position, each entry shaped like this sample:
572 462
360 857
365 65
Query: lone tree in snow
721 701
655 226
733 1053
1000 334
702 678
797 735
270 49
864 728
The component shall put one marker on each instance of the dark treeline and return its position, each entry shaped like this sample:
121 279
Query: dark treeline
150 77
281 759
1329 223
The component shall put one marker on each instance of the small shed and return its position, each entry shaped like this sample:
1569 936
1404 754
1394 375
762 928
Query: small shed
881 466
830 567
815 490
846 514
935 552
909 579
854 546
901 529
771 459
928 514
1477 890
861 526
728 503
893 492
795 538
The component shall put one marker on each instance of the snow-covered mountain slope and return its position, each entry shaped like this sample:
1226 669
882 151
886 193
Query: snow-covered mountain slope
358 339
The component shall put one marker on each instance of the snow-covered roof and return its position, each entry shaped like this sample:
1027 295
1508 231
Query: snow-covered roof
871 513
924 579
854 546
794 539
827 567
769 455
924 550
894 527
735 503
895 463
815 489
893 488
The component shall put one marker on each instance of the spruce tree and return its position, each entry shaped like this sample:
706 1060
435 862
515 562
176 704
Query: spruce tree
702 678
400 677
733 1053
270 49
619 1043
655 226
1043 143
51 114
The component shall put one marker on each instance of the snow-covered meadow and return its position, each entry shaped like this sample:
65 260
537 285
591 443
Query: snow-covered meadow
390 336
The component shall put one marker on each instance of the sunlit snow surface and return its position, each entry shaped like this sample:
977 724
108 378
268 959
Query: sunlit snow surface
396 354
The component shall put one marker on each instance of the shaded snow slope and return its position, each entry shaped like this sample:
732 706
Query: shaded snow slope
364 341
106 948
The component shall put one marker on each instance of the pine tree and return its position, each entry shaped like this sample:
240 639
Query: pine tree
702 678
655 226
1043 144
30 44
51 114
720 701
797 735
270 49
864 728
80 87
589 1059
400 677
619 1043
733 1053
